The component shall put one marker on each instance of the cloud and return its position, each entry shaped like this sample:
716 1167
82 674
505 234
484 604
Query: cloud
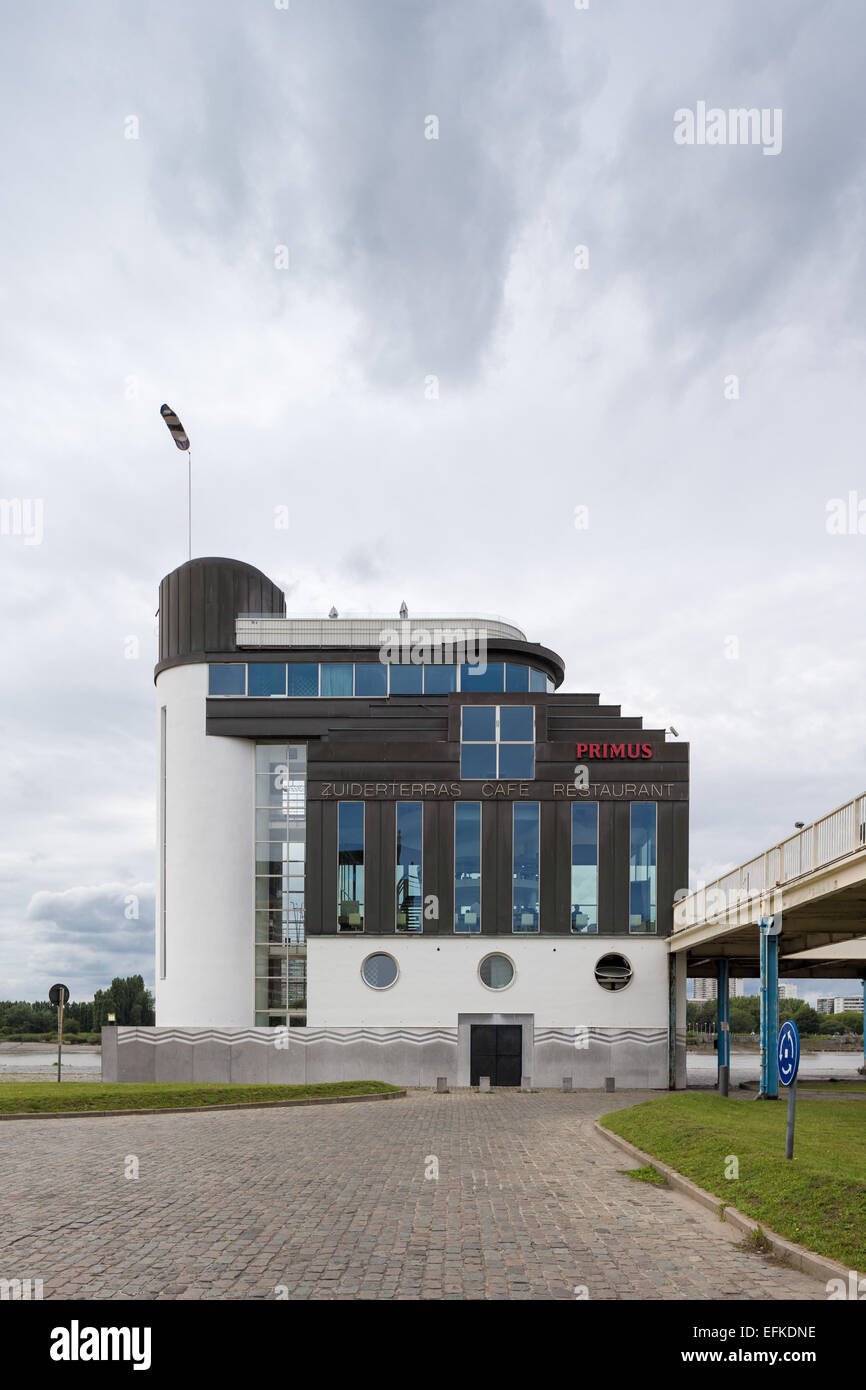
84 936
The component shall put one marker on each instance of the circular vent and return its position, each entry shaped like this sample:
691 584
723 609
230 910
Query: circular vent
613 972
496 972
379 971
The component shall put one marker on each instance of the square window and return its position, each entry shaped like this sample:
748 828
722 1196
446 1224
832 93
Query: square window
371 678
516 724
478 760
226 679
517 760
266 678
479 724
336 678
303 678
407 680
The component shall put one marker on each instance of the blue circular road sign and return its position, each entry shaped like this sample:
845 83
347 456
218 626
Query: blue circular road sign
789 1053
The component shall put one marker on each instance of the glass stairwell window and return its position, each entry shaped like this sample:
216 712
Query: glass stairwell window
280 862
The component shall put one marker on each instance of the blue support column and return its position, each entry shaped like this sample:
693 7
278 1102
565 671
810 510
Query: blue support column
769 1008
672 1022
723 973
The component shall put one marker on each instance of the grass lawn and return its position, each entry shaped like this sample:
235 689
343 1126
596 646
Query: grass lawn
817 1199
41 1096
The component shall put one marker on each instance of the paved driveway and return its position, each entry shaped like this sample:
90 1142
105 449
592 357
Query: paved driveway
333 1202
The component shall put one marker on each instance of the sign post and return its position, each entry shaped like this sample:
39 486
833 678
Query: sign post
59 995
789 1064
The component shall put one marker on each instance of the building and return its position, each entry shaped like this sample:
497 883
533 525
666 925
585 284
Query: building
840 1004
788 990
375 859
704 987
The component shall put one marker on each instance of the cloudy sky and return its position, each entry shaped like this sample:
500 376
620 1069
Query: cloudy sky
341 238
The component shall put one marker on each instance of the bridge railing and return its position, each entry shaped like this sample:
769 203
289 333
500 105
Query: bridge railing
734 895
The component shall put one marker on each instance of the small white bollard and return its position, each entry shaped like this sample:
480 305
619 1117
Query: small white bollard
442 1085
526 1083
609 1083
567 1083
484 1084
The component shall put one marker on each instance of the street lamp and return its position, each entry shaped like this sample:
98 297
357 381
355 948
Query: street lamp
181 439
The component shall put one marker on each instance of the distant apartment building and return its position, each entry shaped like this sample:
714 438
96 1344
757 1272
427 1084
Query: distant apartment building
840 1004
787 990
707 988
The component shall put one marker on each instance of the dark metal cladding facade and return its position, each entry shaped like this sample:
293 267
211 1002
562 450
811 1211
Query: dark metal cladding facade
356 744
198 605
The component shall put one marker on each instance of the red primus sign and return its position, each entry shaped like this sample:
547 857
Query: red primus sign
614 750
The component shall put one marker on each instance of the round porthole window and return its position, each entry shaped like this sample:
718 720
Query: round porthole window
496 972
379 971
613 972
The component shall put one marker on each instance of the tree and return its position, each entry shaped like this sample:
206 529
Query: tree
807 1019
127 999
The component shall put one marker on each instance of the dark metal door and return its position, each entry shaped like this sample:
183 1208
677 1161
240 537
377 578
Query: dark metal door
496 1050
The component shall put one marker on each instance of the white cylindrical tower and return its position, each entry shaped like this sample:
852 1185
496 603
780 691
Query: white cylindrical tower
205 908
204 928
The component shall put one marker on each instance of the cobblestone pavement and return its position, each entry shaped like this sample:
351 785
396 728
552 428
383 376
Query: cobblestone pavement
333 1202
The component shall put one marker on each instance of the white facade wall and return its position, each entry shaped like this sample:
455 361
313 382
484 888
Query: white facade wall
206 978
554 981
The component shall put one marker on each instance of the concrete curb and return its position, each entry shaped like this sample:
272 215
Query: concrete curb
818 1266
198 1109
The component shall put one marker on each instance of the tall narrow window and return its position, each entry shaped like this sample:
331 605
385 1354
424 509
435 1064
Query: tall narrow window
350 866
642 867
410 829
584 866
525 862
280 950
162 842
467 866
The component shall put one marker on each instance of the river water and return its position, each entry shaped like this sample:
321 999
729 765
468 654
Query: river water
75 1059
746 1066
